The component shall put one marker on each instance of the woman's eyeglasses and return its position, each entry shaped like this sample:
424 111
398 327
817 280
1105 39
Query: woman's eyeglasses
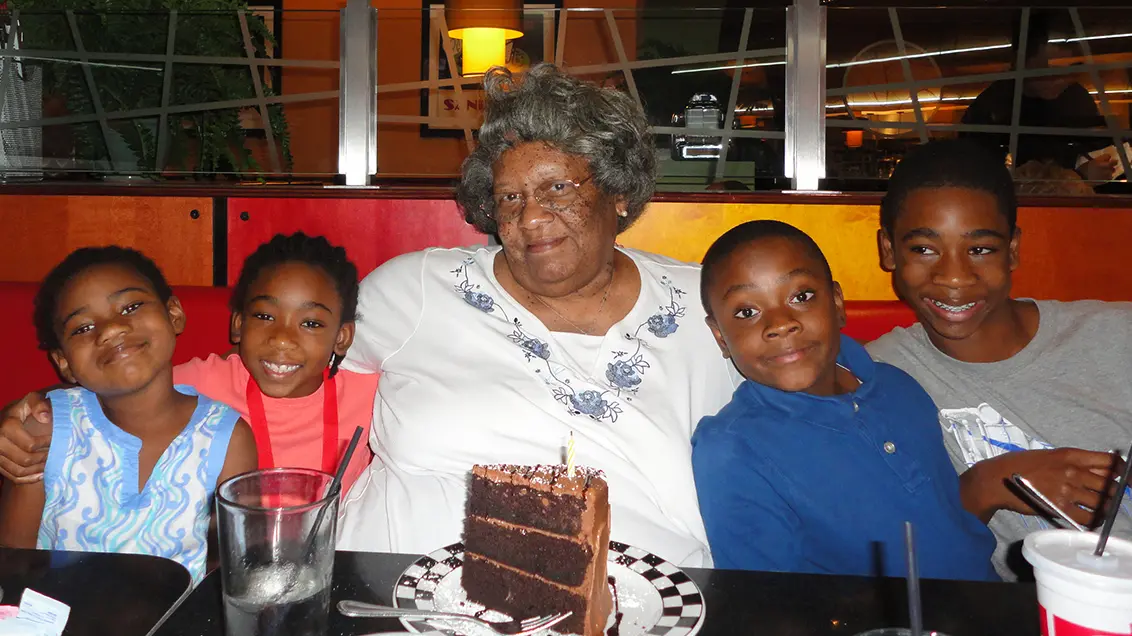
559 195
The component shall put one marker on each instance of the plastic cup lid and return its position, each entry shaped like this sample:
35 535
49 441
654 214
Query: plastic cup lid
1070 553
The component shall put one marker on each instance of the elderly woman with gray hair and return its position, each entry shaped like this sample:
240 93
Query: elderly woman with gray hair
499 355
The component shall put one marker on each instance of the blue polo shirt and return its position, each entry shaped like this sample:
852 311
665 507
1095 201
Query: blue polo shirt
795 482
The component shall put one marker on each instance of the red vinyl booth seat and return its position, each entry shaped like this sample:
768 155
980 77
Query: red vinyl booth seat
25 368
867 320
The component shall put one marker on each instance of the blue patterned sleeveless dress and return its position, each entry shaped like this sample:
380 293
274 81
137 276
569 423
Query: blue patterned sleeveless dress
91 483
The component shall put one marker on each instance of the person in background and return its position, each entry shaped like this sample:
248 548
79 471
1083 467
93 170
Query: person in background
1039 388
791 471
134 459
1047 101
294 308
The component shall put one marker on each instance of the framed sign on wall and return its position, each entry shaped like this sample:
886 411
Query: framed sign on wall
445 109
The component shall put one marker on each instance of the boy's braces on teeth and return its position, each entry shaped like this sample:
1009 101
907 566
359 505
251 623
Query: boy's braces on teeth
953 308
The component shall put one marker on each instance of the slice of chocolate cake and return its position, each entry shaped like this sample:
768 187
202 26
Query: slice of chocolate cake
536 543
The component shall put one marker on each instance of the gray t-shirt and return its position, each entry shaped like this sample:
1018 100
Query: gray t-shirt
1070 386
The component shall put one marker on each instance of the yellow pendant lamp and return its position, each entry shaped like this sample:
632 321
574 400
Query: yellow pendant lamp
484 26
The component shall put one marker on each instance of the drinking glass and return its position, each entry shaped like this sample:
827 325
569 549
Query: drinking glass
276 575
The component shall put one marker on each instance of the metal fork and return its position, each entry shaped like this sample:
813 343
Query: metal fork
357 609
1044 503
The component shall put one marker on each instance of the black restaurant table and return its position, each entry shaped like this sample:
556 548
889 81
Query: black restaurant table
756 603
109 594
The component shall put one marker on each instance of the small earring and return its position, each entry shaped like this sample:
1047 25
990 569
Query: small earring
623 213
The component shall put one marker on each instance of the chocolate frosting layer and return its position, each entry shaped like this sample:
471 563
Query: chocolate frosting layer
541 497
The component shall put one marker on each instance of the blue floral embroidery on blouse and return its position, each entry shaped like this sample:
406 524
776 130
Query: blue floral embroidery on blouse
480 301
588 402
532 346
663 325
625 372
472 295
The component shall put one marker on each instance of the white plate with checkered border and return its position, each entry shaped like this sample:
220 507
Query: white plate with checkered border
655 597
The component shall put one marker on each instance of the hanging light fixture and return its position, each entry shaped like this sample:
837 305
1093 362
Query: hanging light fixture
484 26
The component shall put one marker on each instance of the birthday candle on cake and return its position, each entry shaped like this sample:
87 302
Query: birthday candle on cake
570 456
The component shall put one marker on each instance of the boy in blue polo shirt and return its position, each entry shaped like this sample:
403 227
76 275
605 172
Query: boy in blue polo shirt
822 454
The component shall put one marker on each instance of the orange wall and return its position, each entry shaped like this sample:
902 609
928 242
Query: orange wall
311 32
1067 253
587 34
400 147
38 231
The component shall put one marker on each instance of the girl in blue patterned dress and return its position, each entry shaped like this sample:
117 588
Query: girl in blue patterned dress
134 460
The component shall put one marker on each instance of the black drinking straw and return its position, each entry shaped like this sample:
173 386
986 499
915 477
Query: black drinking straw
915 610
335 486
1114 505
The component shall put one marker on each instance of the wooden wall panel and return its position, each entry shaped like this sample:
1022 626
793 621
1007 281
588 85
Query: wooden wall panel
371 230
1075 253
38 231
1067 253
846 233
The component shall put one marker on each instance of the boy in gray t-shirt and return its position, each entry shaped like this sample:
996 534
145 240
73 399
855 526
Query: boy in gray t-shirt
1043 389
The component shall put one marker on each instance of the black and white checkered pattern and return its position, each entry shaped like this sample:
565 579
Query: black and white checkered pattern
683 613
417 583
683 603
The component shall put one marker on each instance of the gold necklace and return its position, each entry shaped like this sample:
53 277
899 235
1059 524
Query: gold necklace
604 297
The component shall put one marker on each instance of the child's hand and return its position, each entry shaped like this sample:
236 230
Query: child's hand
25 436
1077 481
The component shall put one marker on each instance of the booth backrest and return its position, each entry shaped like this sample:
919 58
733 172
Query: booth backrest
24 368
867 320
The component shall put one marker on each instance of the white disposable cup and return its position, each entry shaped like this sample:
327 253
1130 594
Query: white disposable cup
1079 594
